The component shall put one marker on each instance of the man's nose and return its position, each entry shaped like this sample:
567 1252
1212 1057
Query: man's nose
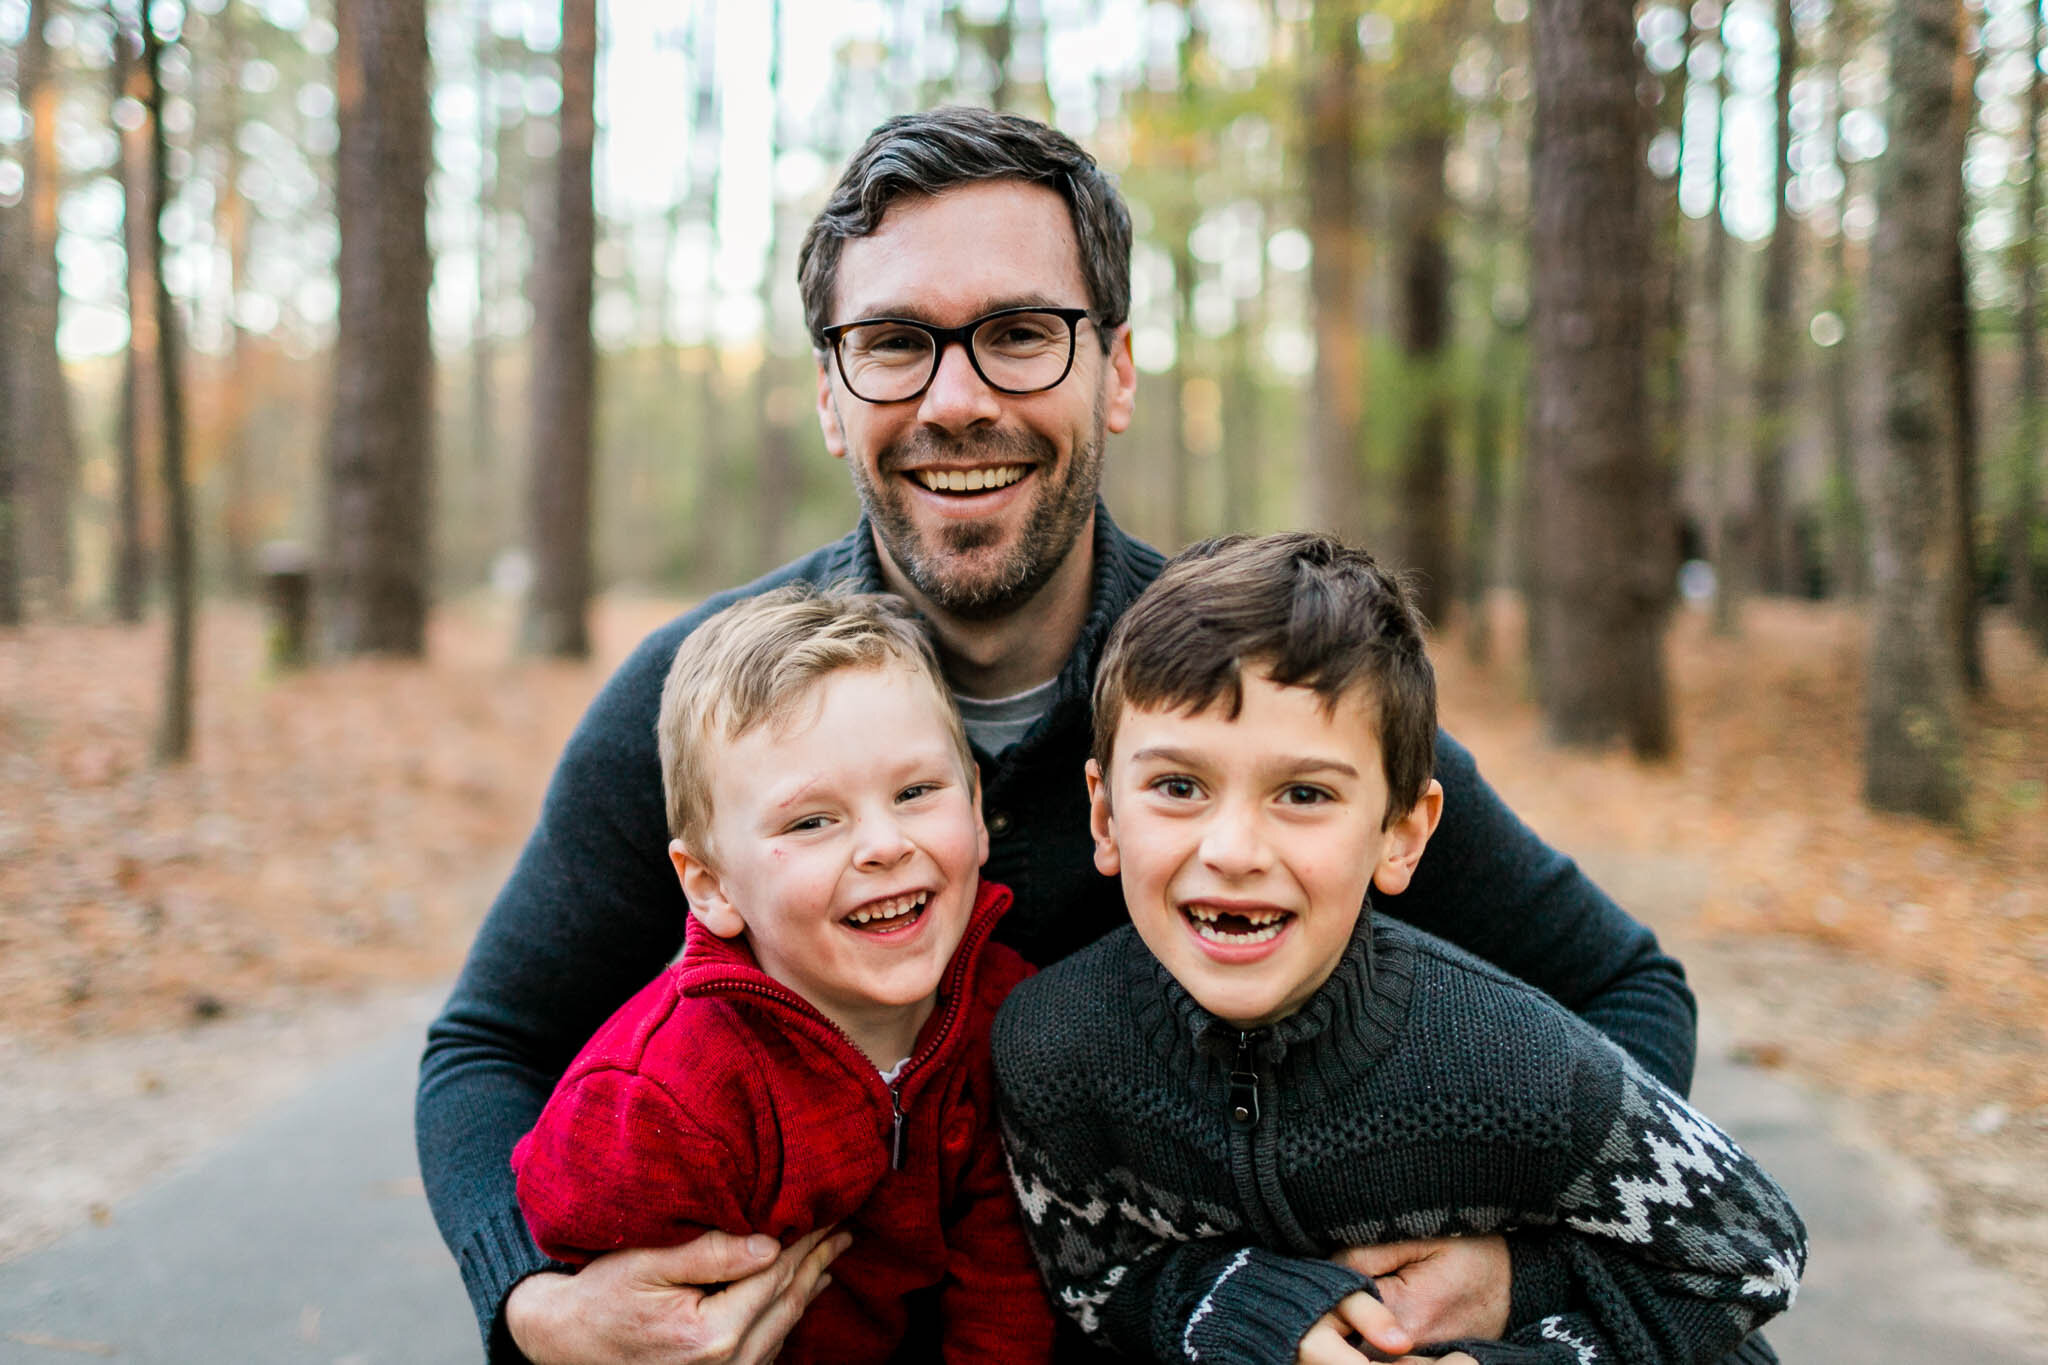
958 397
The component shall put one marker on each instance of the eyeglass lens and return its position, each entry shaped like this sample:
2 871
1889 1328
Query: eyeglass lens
884 362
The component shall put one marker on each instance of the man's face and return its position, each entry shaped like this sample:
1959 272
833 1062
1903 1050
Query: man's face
976 496
1245 844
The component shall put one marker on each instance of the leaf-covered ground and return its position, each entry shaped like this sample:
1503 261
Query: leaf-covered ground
340 831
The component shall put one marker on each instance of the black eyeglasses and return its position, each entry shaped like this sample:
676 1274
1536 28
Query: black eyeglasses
1014 350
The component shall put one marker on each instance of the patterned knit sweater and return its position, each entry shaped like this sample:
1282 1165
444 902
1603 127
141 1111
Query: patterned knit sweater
1182 1181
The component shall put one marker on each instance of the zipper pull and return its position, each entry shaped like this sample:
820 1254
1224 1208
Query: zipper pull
1244 1084
895 1127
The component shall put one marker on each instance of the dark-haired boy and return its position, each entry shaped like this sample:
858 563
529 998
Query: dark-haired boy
1256 1073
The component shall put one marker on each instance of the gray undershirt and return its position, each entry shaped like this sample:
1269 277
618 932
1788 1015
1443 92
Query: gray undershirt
993 726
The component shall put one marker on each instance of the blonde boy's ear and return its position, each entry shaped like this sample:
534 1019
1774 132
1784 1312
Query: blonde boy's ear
1406 839
704 892
1102 824
980 825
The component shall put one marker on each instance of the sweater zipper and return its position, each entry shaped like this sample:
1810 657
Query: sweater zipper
1253 1147
1244 1084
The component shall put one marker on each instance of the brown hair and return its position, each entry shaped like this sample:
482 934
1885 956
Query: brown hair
755 663
1303 607
940 149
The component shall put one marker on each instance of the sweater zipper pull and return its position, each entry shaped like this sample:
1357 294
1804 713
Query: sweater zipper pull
895 1127
1244 1084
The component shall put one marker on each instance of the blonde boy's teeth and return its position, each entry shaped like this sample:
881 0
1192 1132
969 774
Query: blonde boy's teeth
969 480
889 909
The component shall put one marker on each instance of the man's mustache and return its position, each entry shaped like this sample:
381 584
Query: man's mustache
927 447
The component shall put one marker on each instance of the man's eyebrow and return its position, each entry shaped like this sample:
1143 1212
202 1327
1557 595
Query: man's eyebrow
980 308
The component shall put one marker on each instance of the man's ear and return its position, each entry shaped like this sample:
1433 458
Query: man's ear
1405 840
1122 382
828 412
705 892
1101 823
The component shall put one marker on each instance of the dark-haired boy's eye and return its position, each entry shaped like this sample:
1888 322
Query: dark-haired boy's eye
1177 788
1301 794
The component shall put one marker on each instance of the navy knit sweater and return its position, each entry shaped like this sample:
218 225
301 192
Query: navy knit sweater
592 911
1183 1181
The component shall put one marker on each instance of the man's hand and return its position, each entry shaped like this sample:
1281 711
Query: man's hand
1441 1289
653 1306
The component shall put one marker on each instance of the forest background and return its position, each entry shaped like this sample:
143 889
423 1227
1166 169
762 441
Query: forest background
359 362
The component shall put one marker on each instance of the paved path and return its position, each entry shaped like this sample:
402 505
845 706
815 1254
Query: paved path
305 1241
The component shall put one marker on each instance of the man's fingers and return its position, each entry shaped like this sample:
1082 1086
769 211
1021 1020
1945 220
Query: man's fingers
713 1258
761 1309
1385 1258
1373 1320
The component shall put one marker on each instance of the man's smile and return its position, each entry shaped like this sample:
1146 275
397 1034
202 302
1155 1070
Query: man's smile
970 480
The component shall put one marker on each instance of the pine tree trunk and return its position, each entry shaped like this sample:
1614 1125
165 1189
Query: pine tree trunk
379 451
1428 539
46 472
565 365
138 363
1725 529
1601 515
1335 483
1914 735
1845 520
1962 348
174 730
2024 523
776 475
10 506
1776 557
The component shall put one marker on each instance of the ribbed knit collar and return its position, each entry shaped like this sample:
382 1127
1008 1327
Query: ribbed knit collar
1351 1020
1121 569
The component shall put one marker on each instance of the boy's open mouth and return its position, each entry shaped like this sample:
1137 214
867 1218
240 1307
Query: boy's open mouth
981 480
1235 927
890 916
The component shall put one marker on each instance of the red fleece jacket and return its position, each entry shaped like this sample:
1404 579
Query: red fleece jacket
719 1098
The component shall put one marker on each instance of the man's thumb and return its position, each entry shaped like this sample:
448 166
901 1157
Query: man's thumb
713 1258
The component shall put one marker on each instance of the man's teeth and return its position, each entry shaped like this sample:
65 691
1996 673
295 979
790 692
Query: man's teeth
1266 924
970 480
889 909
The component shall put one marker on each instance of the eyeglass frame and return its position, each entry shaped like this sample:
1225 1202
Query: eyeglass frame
942 337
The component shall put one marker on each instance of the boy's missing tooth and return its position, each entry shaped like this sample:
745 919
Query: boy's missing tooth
1261 1072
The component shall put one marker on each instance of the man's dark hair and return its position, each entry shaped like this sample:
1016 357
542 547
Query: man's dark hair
941 149
1304 608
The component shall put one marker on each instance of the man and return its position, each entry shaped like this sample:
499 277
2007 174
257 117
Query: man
967 289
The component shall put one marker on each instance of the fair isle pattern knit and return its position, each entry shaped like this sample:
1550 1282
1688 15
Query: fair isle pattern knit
1419 1093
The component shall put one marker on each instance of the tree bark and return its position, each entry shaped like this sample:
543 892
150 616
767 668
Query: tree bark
1962 350
565 365
174 730
380 437
1914 728
1845 520
776 476
1776 557
1725 526
10 505
2024 522
1602 518
1427 536
1330 100
46 470
138 364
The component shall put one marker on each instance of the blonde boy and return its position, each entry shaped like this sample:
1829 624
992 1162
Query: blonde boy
1257 1074
818 1055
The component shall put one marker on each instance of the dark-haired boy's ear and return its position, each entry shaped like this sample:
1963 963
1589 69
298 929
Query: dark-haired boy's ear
1406 838
705 892
828 412
1101 823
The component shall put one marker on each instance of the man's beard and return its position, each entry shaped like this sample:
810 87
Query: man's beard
936 570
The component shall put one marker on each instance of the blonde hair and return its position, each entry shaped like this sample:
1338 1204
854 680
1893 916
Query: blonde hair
757 661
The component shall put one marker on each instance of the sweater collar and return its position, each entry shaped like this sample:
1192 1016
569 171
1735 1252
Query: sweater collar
1121 569
1352 1018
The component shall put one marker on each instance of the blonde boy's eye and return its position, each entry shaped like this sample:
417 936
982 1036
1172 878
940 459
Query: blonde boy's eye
809 822
917 789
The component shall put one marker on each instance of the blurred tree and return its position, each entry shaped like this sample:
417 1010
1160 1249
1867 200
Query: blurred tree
1330 117
239 517
1914 735
2024 528
776 478
482 346
10 505
1726 531
1601 517
1776 557
380 434
139 383
564 379
46 469
1668 349
1426 534
1843 502
1960 334
174 731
